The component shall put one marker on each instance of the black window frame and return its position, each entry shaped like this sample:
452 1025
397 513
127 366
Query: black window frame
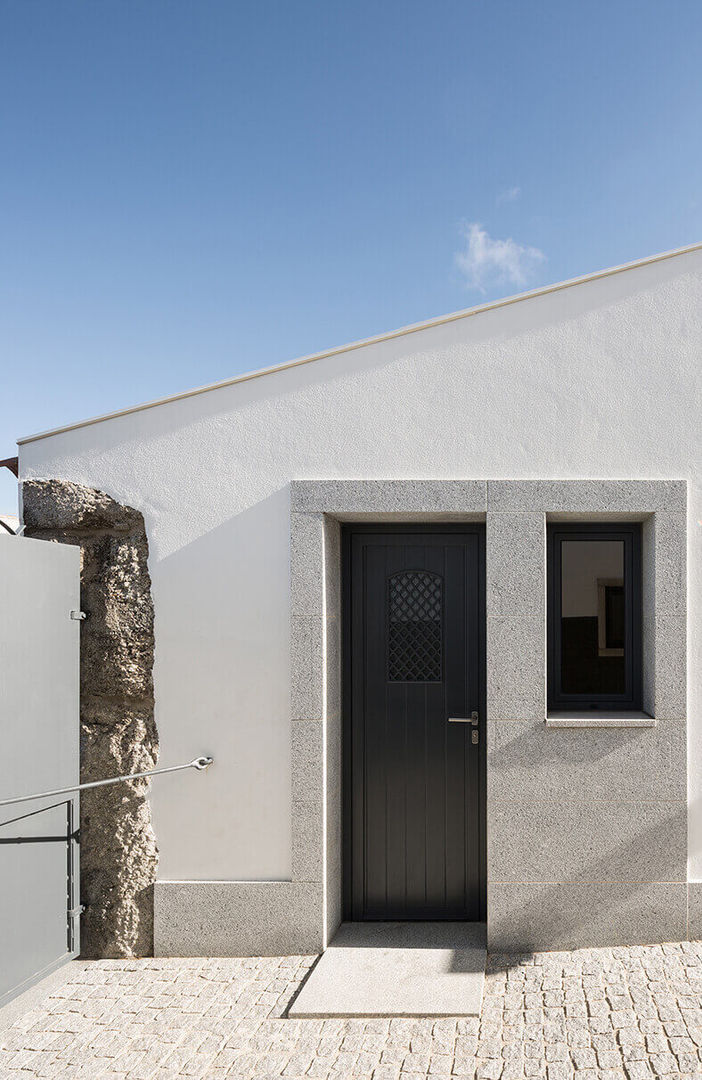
630 533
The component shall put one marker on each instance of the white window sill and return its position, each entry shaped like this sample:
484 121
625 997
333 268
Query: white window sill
591 719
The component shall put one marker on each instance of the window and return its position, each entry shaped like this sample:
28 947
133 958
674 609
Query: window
415 608
594 617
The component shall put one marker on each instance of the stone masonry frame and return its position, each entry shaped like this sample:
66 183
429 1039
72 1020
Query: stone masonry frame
587 819
587 825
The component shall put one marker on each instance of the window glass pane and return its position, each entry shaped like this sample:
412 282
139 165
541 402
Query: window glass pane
592 617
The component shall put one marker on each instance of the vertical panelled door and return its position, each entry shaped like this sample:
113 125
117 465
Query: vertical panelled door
414 730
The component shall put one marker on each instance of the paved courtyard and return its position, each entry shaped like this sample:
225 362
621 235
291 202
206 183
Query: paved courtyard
599 1014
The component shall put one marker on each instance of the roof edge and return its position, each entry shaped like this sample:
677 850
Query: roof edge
412 328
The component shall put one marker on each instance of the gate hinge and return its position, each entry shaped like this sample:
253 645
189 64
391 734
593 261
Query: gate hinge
78 615
73 913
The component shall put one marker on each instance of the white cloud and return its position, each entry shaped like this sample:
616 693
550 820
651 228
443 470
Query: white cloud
486 261
509 195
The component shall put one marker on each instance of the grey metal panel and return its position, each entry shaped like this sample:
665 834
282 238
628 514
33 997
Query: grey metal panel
39 695
34 853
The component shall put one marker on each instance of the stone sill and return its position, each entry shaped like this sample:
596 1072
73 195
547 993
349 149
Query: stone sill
586 719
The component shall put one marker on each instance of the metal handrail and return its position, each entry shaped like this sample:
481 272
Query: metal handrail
200 763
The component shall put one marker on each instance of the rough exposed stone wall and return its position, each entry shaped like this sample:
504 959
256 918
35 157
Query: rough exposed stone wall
118 850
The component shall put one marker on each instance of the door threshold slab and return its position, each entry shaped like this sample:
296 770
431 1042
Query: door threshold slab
415 969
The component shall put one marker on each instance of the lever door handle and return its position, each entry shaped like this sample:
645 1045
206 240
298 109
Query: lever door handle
472 719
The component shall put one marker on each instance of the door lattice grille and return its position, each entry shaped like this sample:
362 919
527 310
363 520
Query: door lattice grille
415 603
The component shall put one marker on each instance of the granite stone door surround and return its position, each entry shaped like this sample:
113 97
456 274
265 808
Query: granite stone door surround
587 819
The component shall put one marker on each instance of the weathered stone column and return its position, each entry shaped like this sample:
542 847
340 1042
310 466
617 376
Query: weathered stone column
118 853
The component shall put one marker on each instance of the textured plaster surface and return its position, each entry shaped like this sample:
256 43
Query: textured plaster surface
598 1014
598 380
118 852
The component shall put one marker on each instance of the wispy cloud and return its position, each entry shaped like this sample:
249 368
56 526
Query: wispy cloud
510 194
486 261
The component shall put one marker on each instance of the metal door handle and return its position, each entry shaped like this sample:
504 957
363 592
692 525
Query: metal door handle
472 719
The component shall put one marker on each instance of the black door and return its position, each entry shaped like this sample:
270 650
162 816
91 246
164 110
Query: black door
414 773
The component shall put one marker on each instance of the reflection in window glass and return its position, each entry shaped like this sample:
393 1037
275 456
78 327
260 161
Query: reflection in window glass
592 617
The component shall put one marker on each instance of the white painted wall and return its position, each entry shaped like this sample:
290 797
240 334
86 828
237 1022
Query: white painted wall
601 379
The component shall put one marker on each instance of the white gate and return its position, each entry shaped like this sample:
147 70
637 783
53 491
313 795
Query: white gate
39 722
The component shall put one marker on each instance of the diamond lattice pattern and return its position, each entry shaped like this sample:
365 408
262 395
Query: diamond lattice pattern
415 600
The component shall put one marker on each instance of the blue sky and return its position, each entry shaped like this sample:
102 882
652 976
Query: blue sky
193 189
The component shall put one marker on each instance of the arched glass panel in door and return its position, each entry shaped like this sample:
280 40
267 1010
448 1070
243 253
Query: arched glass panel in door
415 618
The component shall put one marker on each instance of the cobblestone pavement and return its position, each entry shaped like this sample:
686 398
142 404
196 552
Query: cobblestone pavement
599 1014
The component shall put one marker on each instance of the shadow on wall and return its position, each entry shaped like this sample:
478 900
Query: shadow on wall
527 760
596 904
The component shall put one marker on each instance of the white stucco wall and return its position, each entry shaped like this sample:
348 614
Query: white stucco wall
601 379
